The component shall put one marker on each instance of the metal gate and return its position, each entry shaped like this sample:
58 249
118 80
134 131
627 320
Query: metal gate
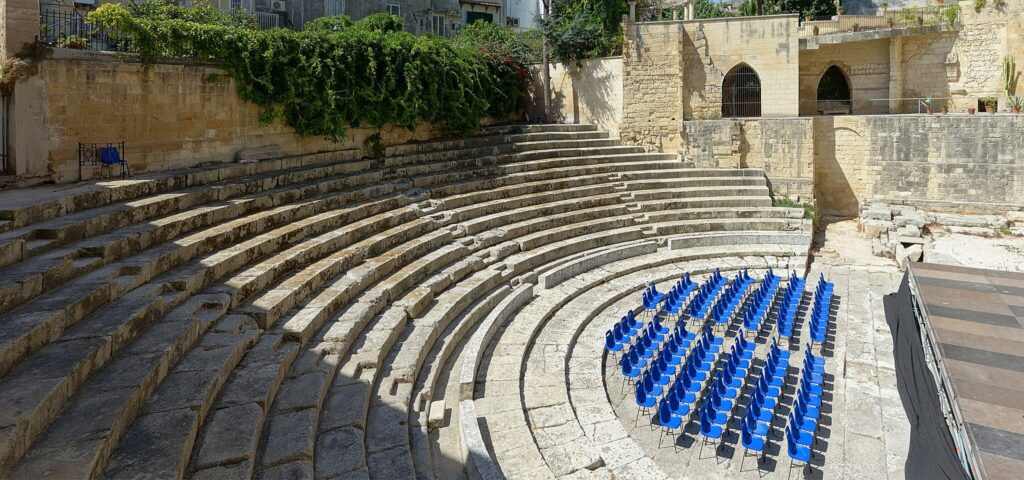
741 93
5 128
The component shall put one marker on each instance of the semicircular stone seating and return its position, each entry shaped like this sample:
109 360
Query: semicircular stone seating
332 317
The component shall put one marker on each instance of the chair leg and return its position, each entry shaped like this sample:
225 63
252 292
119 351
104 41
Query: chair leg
637 421
743 460
661 438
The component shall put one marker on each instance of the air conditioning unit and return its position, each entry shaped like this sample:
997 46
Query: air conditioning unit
278 5
512 21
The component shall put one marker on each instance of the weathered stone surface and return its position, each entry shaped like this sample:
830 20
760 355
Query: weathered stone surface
229 436
300 470
289 436
339 451
157 446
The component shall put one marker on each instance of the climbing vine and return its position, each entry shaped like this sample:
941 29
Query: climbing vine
333 75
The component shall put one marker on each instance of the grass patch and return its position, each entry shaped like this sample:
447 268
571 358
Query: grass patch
787 203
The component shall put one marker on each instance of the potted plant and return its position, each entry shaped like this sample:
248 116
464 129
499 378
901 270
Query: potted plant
891 21
815 30
920 21
945 107
77 42
927 105
1016 103
856 27
971 110
990 104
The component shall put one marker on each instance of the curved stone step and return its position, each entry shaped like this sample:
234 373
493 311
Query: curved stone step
438 364
95 334
42 319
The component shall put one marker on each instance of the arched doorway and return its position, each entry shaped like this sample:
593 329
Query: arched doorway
834 93
741 93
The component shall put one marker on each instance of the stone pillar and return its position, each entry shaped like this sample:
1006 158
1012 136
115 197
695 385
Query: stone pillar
895 73
632 11
689 11
19 26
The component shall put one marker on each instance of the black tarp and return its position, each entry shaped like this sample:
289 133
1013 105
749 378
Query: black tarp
932 452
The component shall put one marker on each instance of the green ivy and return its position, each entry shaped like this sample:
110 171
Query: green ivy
324 80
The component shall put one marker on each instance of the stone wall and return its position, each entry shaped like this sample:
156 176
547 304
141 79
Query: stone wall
783 147
169 116
19 26
652 84
918 160
865 65
769 45
590 93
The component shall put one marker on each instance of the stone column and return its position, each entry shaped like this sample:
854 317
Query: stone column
632 11
19 26
895 73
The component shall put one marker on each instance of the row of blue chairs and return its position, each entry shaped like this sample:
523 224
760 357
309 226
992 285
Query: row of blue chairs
677 297
789 304
756 425
801 431
820 312
674 409
731 299
755 310
684 370
706 295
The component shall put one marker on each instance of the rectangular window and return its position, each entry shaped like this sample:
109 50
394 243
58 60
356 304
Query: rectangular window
437 25
394 9
478 16
333 7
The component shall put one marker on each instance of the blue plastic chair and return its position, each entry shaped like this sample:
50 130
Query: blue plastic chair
611 345
756 410
683 394
797 452
750 443
666 420
649 387
804 423
799 436
643 400
708 430
756 426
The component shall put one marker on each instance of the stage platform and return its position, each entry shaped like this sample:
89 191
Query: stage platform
974 331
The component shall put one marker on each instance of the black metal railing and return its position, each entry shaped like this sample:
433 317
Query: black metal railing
63 26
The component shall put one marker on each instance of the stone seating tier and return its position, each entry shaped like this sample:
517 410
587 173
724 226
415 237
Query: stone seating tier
298 320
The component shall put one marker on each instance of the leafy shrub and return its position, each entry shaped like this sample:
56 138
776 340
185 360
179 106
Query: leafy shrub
488 36
335 23
380 22
73 41
322 82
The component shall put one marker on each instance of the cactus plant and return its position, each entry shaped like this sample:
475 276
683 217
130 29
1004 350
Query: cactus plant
1009 74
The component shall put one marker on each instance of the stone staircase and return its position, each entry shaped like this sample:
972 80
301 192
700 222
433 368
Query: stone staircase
333 317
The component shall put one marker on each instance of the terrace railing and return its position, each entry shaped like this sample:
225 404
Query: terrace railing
906 18
64 26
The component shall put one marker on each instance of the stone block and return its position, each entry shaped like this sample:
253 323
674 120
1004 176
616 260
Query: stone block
874 228
877 212
914 253
908 231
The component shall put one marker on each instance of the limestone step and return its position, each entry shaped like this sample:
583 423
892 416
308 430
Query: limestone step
565 454
735 201
44 236
387 434
655 192
530 128
27 206
355 317
37 275
111 343
434 373
41 320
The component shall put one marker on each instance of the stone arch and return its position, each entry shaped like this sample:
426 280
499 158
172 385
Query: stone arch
834 94
741 92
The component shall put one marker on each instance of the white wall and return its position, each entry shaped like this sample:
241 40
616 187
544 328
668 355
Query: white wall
524 10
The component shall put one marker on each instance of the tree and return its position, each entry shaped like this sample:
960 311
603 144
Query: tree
814 8
706 9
